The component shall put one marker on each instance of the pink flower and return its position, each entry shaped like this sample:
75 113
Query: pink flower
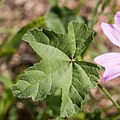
111 61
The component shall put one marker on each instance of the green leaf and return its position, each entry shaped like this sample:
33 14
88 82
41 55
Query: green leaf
54 23
66 15
83 37
59 67
58 18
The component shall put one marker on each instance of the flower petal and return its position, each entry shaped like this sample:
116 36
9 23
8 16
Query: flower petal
117 19
112 73
111 62
112 32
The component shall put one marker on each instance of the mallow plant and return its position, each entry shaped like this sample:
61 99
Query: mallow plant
60 68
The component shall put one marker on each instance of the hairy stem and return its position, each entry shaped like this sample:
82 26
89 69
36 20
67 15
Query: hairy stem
109 96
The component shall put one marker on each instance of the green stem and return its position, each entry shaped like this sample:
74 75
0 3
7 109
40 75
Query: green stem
109 96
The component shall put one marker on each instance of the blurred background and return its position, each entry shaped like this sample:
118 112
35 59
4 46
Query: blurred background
18 16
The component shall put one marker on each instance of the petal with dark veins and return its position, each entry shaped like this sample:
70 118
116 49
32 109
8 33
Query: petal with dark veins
111 63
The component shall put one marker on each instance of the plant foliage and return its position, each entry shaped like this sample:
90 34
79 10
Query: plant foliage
58 18
61 67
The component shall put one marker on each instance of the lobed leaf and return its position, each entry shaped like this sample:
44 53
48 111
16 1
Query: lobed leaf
59 67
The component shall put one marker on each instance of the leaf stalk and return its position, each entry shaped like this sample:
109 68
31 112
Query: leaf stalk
109 96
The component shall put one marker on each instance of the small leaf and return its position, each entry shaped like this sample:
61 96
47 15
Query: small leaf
66 15
54 23
59 67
